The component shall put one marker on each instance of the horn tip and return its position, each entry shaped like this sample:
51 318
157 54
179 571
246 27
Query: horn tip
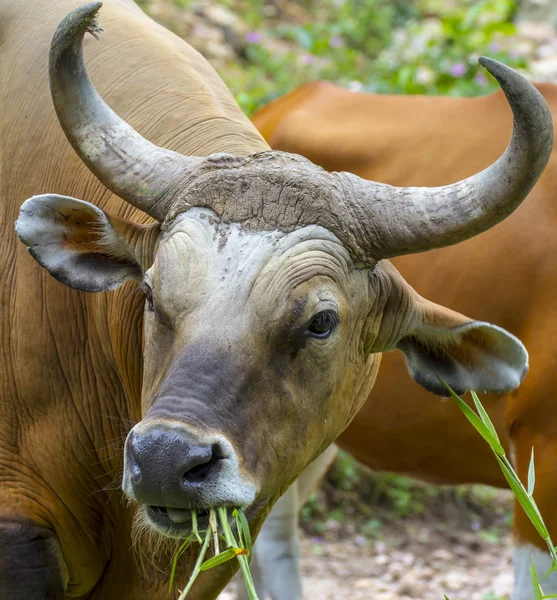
526 97
79 21
507 77
493 66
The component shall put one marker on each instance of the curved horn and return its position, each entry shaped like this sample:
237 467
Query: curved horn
128 164
391 221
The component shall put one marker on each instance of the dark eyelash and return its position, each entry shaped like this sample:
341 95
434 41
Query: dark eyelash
148 296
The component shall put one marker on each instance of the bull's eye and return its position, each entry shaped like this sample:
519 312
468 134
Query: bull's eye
323 324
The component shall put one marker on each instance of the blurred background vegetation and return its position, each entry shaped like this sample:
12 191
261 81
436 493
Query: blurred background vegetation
266 48
387 46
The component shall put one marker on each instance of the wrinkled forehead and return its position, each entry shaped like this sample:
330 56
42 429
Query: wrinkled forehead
198 251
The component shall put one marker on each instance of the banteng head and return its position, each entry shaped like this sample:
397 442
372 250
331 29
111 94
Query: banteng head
268 297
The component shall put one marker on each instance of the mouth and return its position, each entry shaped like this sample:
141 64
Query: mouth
176 522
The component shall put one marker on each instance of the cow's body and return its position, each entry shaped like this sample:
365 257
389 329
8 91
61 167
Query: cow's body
508 275
67 339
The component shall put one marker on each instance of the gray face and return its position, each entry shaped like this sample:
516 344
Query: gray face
253 349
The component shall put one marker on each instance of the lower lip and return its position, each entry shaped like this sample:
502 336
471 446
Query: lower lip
159 517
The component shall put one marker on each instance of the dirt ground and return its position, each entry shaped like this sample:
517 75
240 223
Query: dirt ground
458 554
464 570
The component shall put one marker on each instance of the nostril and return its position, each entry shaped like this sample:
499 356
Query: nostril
199 472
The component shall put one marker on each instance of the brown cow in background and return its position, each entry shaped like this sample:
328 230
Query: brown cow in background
507 276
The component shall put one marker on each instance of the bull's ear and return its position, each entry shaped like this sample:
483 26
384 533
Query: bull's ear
468 355
79 244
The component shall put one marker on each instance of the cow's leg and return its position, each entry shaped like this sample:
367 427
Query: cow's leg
314 473
276 561
31 565
528 545
524 554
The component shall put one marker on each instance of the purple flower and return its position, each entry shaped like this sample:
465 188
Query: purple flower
335 41
480 79
253 37
317 540
458 69
309 59
495 47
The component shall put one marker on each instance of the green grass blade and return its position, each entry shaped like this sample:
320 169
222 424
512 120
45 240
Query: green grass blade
538 592
198 563
177 555
483 414
526 502
223 557
523 495
243 530
244 564
236 516
531 474
194 526
482 429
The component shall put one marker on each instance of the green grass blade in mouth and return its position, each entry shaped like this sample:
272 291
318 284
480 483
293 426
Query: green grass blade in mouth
198 563
244 565
213 526
194 526
222 557
240 551
243 531
179 552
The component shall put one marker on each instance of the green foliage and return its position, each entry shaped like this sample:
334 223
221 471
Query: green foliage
424 47
353 493
334 43
491 535
439 55
403 495
483 425
372 529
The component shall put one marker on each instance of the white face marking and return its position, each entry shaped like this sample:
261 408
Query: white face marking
522 561
201 261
